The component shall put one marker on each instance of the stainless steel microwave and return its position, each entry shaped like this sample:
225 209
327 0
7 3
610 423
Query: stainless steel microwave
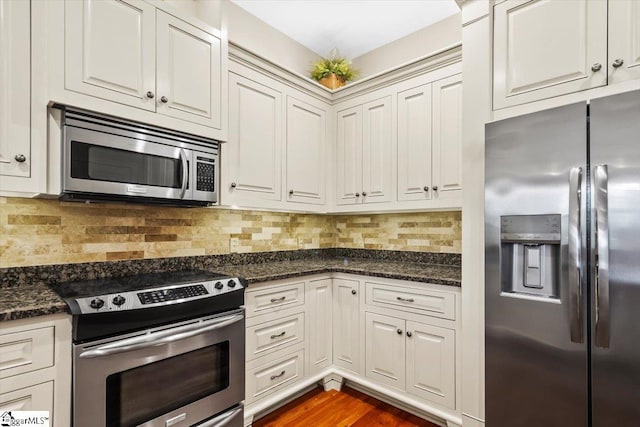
109 159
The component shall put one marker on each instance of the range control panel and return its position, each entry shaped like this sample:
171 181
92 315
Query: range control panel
156 297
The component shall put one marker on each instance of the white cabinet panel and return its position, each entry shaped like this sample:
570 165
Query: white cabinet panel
306 141
33 398
252 160
349 155
319 319
431 363
26 351
275 375
546 48
385 349
272 299
110 50
377 158
414 143
188 72
346 325
447 137
624 40
273 335
15 89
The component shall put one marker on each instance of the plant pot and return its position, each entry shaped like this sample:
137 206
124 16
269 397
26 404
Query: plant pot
332 81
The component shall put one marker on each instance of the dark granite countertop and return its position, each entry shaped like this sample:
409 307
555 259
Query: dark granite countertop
24 292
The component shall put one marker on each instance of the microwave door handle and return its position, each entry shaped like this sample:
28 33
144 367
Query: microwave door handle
185 172
160 338
223 419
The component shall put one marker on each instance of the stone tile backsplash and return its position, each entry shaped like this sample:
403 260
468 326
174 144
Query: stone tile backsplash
40 231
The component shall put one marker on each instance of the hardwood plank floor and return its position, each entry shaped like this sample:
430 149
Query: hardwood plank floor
348 408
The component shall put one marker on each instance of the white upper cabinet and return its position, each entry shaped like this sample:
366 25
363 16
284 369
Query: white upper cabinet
15 90
349 155
364 153
447 138
188 72
624 40
252 160
546 48
306 142
414 143
377 178
110 50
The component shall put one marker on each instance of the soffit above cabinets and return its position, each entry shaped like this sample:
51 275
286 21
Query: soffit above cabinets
355 27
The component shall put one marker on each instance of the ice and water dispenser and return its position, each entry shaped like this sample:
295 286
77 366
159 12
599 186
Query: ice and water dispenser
530 255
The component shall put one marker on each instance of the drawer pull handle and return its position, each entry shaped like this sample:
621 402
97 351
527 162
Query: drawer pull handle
281 334
278 299
273 377
404 299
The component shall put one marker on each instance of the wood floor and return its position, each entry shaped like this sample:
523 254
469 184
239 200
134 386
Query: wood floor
332 409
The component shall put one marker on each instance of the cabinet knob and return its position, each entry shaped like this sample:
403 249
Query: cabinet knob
596 67
291 192
20 158
435 188
364 193
426 188
409 334
399 331
357 194
164 99
618 63
150 95
233 185
353 292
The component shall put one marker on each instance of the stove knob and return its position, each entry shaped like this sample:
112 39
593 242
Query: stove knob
231 283
219 285
96 303
118 300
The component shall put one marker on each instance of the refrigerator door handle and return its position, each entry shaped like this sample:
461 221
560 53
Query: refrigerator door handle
575 263
601 207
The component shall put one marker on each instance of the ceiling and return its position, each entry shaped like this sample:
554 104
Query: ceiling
354 27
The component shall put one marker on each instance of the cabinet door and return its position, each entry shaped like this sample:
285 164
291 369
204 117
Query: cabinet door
306 141
188 72
385 349
377 161
33 398
624 40
431 363
546 48
319 317
110 50
346 325
414 143
252 159
447 137
349 156
15 89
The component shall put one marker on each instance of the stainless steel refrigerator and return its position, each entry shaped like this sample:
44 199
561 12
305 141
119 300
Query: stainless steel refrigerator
562 275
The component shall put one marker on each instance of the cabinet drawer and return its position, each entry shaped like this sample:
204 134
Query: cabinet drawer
271 299
427 301
275 375
274 335
34 398
26 351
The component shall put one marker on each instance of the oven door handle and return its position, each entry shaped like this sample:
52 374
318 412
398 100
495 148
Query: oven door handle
223 419
160 338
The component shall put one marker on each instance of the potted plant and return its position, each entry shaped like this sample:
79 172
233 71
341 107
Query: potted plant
333 71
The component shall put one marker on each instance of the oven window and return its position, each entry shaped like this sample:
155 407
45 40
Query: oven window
98 163
146 392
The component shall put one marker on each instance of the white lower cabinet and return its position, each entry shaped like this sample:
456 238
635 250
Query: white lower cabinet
395 338
35 368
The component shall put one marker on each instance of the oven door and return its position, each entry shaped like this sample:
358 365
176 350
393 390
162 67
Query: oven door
178 375
103 163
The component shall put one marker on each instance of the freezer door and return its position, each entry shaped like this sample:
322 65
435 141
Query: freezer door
536 359
615 163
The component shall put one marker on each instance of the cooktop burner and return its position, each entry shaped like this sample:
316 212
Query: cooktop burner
105 306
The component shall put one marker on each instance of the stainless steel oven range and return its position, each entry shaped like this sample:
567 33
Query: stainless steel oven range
161 349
